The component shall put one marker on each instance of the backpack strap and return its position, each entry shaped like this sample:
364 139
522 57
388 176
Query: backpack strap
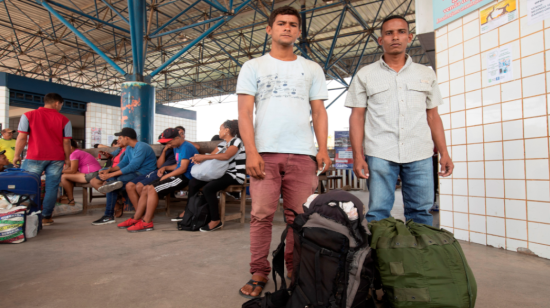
278 266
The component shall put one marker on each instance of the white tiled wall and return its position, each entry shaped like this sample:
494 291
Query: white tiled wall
163 122
4 107
105 117
499 193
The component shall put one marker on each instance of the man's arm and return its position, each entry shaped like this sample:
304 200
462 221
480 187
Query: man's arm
356 136
19 147
162 157
67 150
438 136
181 170
320 126
254 162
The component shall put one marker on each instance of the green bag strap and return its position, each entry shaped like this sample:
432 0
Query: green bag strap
402 230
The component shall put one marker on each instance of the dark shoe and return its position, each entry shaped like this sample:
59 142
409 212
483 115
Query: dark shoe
110 186
207 229
104 220
178 218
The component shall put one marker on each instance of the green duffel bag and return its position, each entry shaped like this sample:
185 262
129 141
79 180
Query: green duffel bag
421 266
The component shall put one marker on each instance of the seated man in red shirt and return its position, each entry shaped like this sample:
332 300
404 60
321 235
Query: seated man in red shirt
49 134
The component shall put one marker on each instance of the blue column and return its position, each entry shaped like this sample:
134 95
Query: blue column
137 101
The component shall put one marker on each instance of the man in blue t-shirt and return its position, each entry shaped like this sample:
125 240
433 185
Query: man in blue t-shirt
139 158
178 178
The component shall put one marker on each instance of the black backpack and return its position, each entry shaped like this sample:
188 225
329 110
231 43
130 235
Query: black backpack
196 214
333 264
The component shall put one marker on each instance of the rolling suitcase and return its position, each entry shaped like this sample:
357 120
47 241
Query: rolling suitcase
25 184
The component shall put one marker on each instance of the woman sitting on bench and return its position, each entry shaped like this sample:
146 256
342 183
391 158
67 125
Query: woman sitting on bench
235 175
84 167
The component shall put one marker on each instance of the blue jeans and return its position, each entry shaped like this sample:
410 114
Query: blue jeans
417 187
53 170
112 196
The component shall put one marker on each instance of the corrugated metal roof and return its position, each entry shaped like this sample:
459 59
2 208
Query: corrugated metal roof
35 44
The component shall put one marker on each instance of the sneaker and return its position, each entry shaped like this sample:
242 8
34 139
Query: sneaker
207 229
127 223
47 221
110 186
178 218
104 220
141 226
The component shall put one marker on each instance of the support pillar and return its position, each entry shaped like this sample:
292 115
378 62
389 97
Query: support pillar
137 102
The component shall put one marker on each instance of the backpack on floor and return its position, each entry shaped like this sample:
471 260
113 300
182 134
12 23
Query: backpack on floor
333 265
196 214
421 266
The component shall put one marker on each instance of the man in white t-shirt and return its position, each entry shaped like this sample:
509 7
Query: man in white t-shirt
281 155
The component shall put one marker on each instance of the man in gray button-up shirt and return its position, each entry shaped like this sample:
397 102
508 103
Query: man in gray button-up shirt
394 116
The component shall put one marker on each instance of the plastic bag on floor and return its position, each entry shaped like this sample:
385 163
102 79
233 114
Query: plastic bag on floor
61 209
31 226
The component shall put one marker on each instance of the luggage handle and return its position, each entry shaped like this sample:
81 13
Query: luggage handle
14 170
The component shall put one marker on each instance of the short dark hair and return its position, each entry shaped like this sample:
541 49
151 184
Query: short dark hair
180 127
74 144
52 98
393 17
284 10
114 143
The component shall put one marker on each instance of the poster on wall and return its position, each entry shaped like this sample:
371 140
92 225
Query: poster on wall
343 156
96 135
110 140
537 10
498 15
499 65
446 11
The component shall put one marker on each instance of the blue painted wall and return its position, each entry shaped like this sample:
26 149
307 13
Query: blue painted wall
14 82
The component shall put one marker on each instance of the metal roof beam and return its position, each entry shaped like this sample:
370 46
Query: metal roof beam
81 36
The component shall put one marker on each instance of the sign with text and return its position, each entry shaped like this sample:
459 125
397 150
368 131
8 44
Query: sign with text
446 11
343 156
498 15
499 65
537 10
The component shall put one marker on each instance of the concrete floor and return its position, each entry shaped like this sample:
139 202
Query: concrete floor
75 264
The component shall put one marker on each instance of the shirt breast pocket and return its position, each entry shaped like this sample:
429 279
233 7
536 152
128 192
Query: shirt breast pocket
416 95
378 98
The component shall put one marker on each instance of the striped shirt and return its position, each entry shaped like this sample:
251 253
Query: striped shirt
396 125
237 164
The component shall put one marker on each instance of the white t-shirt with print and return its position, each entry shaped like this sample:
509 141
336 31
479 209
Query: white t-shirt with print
283 90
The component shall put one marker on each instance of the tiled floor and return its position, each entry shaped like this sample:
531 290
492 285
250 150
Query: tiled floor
75 264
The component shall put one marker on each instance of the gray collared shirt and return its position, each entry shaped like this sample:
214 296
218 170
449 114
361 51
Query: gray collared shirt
396 125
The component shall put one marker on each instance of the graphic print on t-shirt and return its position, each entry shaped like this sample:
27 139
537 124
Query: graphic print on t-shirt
284 87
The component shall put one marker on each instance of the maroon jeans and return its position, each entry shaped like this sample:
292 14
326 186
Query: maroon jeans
295 177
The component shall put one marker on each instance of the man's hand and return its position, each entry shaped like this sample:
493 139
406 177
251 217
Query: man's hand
105 154
17 160
255 166
67 164
105 176
161 172
447 165
104 171
168 146
322 157
164 177
361 168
